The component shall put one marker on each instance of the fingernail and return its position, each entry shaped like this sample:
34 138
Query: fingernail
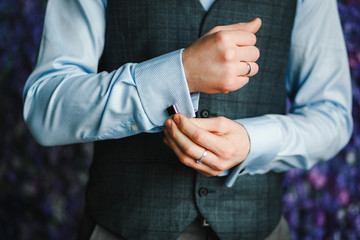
177 119
168 123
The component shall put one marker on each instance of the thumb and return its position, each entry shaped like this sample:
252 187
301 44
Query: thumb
252 26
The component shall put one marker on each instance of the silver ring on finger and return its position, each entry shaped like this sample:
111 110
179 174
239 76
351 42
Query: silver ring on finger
200 160
249 69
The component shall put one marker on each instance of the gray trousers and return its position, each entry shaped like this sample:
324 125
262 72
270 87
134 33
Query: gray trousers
197 232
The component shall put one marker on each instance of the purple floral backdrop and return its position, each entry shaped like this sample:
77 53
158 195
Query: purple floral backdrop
42 189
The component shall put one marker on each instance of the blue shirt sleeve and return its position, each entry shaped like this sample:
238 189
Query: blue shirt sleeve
319 123
67 101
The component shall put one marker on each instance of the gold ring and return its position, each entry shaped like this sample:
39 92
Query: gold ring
249 69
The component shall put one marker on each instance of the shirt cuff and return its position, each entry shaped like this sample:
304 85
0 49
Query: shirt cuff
195 97
266 141
161 83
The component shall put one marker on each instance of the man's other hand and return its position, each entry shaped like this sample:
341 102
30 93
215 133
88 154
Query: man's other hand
227 142
217 62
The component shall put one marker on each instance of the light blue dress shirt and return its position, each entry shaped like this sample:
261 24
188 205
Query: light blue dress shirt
67 101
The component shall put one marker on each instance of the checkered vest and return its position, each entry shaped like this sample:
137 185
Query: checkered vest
149 194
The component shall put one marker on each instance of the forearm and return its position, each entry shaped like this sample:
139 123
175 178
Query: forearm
297 140
67 101
63 109
319 123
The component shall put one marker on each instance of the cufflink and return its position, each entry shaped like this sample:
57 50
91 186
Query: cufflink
172 110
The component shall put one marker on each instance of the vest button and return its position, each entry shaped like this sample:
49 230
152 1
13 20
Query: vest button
203 192
205 113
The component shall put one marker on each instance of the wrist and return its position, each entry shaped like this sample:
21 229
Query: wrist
187 66
246 140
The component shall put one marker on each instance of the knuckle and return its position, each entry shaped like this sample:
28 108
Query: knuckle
255 69
225 84
215 29
245 68
186 161
226 155
228 55
221 37
225 88
198 137
220 167
244 81
222 121
229 85
226 152
172 134
231 152
252 38
189 150
256 53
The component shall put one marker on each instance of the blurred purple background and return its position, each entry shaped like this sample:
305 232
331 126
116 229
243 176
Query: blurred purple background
42 189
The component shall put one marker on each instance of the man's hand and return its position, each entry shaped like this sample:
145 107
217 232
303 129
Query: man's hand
226 141
217 62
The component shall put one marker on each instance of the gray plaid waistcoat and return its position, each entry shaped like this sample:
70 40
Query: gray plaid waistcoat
137 187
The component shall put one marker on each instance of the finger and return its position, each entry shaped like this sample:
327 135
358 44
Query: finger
188 161
248 53
187 146
237 82
236 37
241 81
248 69
217 125
252 27
198 135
